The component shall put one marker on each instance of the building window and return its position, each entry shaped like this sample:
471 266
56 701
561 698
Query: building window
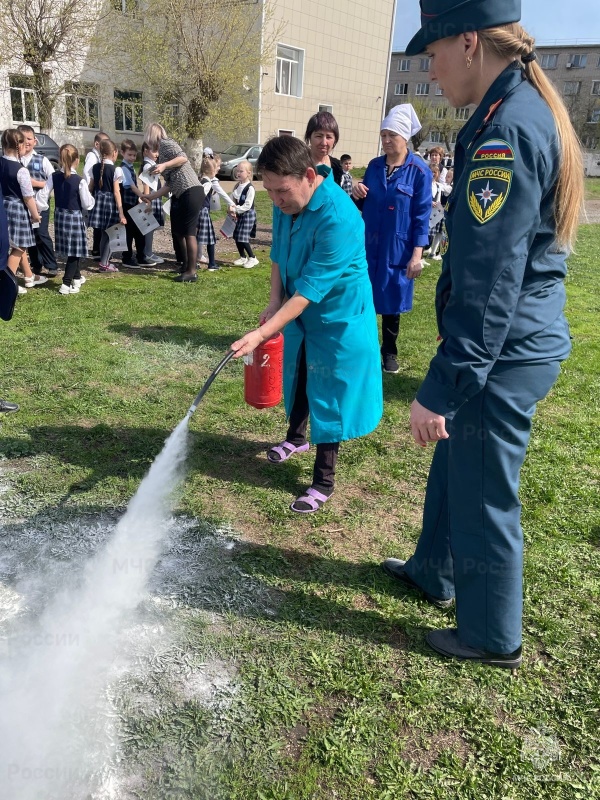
404 65
288 71
129 112
131 7
590 142
438 90
572 87
325 107
441 112
549 61
577 61
435 137
596 87
594 115
424 64
23 99
401 88
422 89
461 113
283 132
82 102
454 137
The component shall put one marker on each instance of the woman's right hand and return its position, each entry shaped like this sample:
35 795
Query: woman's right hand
123 219
147 198
359 191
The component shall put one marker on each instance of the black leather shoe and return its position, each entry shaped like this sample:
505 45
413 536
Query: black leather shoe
6 407
395 569
447 643
186 278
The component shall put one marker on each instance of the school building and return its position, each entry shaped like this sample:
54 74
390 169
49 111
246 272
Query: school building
573 68
332 57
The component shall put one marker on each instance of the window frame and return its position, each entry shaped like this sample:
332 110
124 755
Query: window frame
299 79
401 94
71 91
326 107
420 93
401 62
462 114
594 116
595 85
13 82
549 56
424 64
575 84
126 101
577 60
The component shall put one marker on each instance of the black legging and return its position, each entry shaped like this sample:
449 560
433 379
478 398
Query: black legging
72 270
245 249
326 458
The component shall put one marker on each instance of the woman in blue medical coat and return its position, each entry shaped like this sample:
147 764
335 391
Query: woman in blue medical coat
395 199
321 295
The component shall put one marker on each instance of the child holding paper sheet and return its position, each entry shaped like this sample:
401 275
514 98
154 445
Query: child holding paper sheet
71 198
206 232
130 196
108 209
151 183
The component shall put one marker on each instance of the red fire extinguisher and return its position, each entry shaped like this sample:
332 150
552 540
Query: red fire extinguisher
263 373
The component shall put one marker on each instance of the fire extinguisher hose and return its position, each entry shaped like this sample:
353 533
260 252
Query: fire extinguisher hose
211 378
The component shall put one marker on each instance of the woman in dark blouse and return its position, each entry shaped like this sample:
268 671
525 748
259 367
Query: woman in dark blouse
186 200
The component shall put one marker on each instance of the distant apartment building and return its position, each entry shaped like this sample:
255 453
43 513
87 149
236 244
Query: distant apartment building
573 68
314 67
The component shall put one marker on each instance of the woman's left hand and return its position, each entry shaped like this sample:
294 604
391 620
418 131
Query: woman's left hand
414 268
247 343
425 425
157 169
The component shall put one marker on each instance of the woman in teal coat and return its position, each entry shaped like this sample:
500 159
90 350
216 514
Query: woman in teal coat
321 294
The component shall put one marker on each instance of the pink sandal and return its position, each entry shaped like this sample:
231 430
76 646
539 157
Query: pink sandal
285 450
311 498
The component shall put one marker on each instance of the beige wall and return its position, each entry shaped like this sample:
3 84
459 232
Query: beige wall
346 45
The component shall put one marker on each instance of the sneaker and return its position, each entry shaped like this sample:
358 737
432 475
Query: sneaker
52 273
436 258
22 290
132 262
213 268
107 268
78 282
390 364
251 262
64 289
240 262
152 259
36 280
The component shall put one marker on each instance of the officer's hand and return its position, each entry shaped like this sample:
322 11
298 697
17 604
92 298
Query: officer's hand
425 425
359 191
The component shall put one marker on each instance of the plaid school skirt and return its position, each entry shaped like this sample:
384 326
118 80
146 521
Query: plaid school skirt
245 227
104 213
206 232
69 233
20 232
437 228
157 210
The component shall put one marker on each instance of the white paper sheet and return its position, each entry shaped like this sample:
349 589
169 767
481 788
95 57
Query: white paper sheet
149 180
117 238
167 207
144 218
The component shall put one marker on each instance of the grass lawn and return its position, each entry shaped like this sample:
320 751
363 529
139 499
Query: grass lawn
592 187
337 695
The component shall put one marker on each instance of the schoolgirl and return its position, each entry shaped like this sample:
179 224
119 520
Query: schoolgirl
108 208
149 158
436 222
206 232
18 200
94 157
243 210
71 198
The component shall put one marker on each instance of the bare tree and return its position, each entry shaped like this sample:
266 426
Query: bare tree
47 41
201 61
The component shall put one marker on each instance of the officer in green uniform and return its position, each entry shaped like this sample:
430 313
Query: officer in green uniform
512 216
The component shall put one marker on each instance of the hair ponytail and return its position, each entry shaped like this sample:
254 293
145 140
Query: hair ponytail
512 41
107 150
67 155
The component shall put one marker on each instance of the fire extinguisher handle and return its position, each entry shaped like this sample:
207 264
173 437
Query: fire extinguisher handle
211 377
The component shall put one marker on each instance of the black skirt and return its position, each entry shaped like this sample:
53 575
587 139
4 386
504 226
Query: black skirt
185 210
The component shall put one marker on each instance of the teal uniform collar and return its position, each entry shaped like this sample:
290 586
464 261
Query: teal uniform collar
508 80
318 198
